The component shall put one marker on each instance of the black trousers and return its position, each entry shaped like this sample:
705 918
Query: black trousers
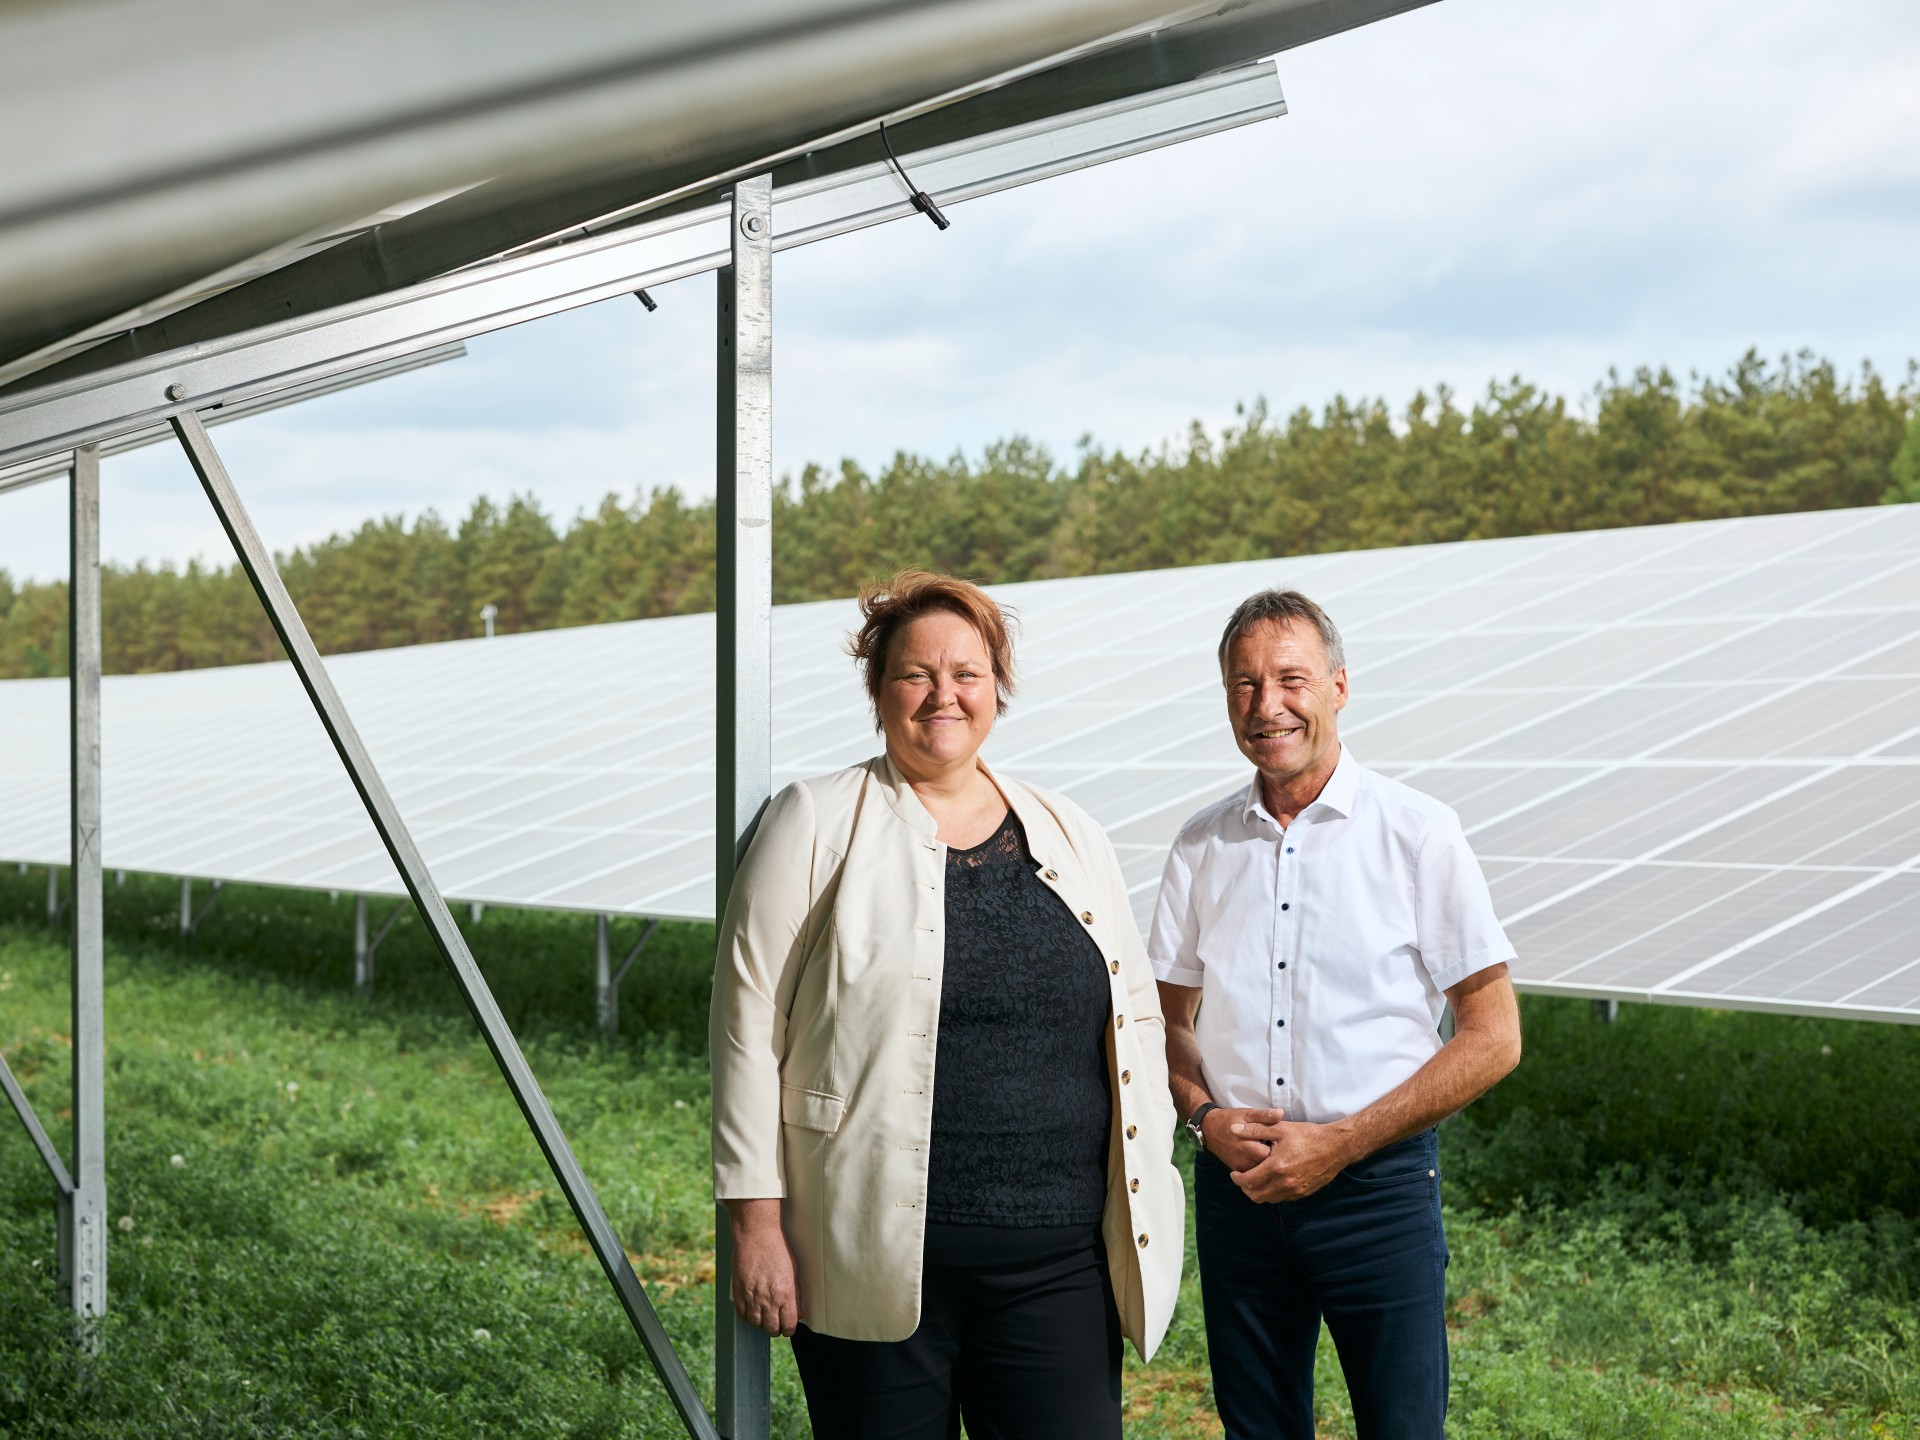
1018 1333
1366 1253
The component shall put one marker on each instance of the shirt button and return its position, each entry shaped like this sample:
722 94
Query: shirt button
1280 1080
1281 1023
1087 916
1132 1130
1285 906
1283 964
1289 849
1143 1239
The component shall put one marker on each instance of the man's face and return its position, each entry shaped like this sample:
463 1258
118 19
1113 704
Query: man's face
1282 699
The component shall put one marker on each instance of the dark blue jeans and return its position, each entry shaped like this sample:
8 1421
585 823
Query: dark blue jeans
1367 1253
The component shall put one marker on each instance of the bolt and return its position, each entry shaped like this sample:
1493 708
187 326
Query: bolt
754 224
176 391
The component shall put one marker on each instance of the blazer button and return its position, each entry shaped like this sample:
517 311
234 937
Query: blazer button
1143 1240
1053 874
1121 1023
1134 1186
1132 1130
1126 1077
1087 916
1114 966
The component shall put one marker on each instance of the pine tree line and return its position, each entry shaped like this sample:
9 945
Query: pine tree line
1644 450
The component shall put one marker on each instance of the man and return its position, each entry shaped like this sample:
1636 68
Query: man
1325 915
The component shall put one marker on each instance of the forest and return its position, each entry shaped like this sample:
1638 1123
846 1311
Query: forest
1647 449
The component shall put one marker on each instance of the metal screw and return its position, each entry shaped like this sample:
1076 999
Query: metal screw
753 224
176 391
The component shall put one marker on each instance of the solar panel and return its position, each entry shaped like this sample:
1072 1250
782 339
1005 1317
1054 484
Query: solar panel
1689 756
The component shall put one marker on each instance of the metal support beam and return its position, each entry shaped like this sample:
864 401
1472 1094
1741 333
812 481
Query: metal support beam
744 669
85 1218
620 974
190 918
364 948
607 977
53 894
1606 1011
257 560
36 1132
144 391
602 974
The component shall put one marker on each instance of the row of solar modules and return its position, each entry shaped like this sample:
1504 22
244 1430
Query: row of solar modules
1688 756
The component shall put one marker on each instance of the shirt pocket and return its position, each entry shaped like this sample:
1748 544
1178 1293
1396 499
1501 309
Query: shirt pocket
811 1109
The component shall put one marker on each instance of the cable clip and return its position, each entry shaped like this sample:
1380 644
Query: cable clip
922 201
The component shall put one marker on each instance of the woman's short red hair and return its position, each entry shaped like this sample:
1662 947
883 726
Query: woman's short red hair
886 605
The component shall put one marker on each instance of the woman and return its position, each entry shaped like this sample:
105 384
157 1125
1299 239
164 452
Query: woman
941 1123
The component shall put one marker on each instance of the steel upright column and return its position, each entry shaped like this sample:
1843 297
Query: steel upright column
86 1216
744 573
602 973
362 960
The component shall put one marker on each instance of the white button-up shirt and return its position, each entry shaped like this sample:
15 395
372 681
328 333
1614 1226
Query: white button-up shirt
1322 949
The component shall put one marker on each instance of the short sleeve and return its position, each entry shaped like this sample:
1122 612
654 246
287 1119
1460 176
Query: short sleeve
1459 934
1173 944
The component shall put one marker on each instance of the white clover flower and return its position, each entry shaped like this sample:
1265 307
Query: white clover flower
482 1334
126 1224
178 1162
293 1087
679 1104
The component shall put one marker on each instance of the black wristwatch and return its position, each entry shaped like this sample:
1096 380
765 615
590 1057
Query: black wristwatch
1193 1123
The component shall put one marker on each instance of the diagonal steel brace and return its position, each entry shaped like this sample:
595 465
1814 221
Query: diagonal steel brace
257 561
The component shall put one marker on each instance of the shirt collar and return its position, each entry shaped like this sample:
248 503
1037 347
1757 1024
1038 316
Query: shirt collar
1337 794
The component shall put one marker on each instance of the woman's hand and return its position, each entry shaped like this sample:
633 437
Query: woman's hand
764 1290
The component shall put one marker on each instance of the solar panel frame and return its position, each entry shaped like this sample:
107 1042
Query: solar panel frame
1613 714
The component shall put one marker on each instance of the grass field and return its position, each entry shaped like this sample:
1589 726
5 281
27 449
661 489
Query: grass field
330 1220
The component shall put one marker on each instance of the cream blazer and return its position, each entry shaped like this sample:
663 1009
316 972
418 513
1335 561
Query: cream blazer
826 1008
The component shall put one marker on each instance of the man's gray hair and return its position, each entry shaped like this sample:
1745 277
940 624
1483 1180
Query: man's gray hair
1283 607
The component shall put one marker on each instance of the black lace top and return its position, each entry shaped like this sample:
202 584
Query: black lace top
1020 1102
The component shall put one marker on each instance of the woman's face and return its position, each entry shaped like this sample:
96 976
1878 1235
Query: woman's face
937 696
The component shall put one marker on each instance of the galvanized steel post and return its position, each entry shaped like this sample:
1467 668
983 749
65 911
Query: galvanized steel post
602 975
362 960
744 573
257 560
86 1215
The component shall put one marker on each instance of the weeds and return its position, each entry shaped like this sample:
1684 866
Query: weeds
331 1221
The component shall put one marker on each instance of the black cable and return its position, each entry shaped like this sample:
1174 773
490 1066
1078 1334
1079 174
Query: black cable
922 201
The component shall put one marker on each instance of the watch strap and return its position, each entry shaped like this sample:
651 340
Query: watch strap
1193 1123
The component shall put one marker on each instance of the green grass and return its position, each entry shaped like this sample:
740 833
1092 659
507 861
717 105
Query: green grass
1682 1225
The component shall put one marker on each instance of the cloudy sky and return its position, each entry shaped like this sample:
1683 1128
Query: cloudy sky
1477 189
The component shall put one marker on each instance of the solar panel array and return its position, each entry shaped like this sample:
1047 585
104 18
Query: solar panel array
1688 756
